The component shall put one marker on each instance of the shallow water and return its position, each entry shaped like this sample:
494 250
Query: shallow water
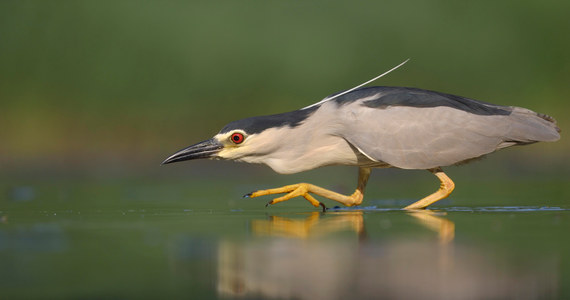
141 239
481 252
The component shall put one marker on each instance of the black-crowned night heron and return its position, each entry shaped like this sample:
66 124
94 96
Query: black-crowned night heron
374 127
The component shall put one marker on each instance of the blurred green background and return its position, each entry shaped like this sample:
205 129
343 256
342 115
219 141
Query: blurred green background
123 84
94 95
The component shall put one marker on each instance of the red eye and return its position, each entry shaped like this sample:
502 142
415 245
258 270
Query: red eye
237 138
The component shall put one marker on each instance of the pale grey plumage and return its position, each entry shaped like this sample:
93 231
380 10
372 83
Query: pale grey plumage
417 134
375 127
424 138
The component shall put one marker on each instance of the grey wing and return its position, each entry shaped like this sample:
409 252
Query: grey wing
427 137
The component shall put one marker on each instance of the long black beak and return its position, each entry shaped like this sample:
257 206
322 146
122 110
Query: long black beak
205 149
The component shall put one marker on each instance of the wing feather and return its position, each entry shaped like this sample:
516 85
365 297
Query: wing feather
428 137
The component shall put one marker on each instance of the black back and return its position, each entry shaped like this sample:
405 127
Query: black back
414 97
387 96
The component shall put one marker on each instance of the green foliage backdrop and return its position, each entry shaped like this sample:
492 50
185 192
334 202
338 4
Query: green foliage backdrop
85 82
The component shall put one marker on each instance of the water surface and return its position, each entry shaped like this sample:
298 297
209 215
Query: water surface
177 240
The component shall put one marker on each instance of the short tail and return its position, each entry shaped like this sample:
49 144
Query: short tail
551 120
529 127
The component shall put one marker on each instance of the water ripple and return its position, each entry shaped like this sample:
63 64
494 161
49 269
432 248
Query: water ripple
459 208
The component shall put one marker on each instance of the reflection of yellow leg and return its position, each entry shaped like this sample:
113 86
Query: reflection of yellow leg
286 227
433 220
445 189
311 226
303 189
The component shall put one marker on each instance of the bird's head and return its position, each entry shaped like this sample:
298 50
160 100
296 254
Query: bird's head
249 140
233 145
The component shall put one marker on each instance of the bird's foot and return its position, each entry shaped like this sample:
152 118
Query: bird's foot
295 190
445 188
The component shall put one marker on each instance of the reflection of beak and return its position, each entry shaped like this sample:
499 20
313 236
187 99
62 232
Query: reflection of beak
205 149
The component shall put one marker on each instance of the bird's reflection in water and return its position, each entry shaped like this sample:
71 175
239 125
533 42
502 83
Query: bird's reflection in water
435 221
311 226
310 258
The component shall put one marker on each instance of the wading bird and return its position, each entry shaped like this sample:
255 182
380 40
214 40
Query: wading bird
374 127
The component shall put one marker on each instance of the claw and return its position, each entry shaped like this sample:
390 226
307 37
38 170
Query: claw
305 189
324 207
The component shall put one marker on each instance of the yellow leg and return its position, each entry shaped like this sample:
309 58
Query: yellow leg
303 189
445 188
